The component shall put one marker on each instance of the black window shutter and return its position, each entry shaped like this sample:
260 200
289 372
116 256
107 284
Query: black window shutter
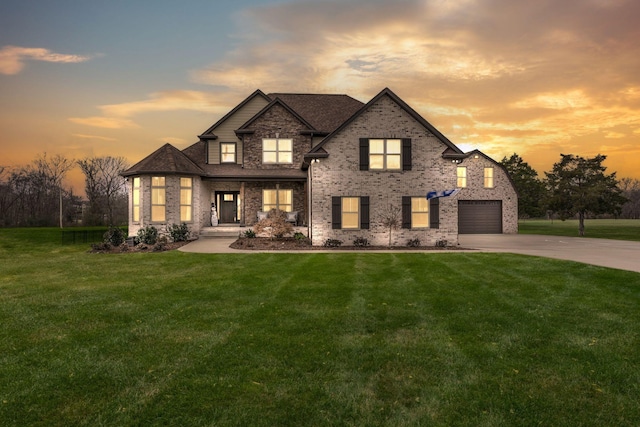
406 154
434 213
336 213
364 154
406 212
364 212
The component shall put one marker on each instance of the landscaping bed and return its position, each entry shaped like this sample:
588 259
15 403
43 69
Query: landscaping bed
293 244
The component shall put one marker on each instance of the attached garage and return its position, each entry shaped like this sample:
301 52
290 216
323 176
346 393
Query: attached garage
480 216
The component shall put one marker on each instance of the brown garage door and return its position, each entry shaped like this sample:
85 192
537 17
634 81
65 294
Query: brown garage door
479 216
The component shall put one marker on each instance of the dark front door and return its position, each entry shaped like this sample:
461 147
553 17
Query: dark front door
228 207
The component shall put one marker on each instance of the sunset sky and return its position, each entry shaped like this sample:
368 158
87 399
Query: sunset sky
539 78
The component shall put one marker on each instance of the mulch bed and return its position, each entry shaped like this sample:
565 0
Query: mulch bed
292 244
101 248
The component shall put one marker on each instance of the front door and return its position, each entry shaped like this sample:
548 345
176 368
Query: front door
228 207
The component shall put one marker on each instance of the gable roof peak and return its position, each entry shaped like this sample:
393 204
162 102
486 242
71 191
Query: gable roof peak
166 160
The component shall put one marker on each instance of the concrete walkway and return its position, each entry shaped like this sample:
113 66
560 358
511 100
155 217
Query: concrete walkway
602 252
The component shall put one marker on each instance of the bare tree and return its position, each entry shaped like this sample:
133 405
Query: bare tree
631 190
55 169
391 218
105 187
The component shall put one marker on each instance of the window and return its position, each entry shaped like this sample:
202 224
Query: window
350 212
419 212
385 154
488 177
136 200
462 177
227 152
158 200
277 199
276 151
186 197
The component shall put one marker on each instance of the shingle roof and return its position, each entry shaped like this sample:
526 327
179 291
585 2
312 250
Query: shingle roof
238 173
166 160
324 112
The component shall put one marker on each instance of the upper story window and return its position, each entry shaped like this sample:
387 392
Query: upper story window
135 200
277 151
488 177
228 152
385 154
158 199
461 172
186 198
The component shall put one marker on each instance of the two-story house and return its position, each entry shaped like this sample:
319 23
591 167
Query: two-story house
336 164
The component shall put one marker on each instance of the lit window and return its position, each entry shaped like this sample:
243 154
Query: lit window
158 200
136 199
385 154
277 199
227 152
350 212
488 177
462 177
276 151
419 212
186 197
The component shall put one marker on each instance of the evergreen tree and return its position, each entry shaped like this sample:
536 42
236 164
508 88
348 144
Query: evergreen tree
531 191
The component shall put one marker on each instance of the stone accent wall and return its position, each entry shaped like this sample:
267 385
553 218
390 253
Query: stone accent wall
502 189
276 119
172 195
340 175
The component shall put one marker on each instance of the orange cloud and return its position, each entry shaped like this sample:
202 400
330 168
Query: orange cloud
12 58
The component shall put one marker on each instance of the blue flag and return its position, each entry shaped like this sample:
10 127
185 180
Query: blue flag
442 193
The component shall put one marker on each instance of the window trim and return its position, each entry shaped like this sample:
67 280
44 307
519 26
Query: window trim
337 213
489 180
385 154
351 213
135 199
277 151
235 152
190 204
278 204
163 188
461 180
427 212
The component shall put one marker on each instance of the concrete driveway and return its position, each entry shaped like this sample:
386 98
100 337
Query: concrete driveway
603 252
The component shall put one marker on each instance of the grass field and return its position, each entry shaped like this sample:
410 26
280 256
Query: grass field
618 229
345 339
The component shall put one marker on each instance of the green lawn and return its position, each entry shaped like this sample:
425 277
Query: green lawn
344 339
618 229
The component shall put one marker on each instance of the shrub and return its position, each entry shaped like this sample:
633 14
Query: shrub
148 235
332 243
441 243
299 236
114 236
275 224
179 233
161 244
249 234
104 246
414 243
360 242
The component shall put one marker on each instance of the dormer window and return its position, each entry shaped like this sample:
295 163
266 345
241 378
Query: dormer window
277 151
228 152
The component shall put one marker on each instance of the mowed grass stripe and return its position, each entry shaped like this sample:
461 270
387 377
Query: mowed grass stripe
315 339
